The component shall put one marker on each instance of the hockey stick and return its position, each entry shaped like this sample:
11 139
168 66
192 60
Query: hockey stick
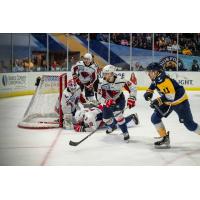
77 143
163 114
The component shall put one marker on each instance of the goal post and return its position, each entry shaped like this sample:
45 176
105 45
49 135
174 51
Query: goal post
44 109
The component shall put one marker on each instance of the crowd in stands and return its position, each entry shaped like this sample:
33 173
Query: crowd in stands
35 65
188 44
24 65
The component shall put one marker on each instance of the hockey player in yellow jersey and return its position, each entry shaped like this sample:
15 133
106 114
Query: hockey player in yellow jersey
172 98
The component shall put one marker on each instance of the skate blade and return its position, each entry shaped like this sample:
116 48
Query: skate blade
127 141
162 147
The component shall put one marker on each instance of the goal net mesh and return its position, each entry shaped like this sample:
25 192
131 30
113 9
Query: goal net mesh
41 112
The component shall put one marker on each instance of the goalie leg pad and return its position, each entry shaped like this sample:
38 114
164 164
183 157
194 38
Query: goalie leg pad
67 121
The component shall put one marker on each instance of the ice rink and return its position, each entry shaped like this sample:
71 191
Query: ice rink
50 147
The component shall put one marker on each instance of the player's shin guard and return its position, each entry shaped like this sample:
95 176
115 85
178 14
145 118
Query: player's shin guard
123 126
161 129
165 141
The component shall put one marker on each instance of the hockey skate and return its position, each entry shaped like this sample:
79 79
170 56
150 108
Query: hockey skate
164 143
111 129
126 137
135 118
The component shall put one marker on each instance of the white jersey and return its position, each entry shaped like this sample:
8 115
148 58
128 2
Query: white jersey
92 118
85 74
69 101
115 89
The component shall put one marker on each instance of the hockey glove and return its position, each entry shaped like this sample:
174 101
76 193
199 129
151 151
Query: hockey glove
156 102
78 128
148 95
90 86
76 79
131 102
110 103
100 107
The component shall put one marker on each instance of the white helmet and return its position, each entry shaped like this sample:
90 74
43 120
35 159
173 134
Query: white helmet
79 115
88 56
109 69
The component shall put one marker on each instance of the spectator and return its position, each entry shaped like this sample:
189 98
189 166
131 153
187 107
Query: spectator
195 65
138 67
156 46
54 65
162 44
124 42
169 47
28 65
17 67
175 47
187 51
168 40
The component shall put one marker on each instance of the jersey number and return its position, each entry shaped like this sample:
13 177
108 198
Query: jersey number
166 90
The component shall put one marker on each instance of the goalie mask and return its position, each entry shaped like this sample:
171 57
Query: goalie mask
71 85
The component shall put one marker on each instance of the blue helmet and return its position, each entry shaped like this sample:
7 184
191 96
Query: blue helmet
154 67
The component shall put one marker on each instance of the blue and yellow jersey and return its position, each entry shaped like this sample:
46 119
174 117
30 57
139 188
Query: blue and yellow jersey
170 91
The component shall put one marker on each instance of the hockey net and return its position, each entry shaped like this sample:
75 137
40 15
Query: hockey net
41 112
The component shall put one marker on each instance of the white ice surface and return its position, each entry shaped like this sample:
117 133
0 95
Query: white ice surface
50 147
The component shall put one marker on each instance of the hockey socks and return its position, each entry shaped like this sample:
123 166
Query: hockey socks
161 129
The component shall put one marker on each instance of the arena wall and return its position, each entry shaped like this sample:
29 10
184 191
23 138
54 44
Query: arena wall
18 84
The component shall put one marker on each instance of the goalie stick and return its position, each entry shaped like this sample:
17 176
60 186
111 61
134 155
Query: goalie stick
72 143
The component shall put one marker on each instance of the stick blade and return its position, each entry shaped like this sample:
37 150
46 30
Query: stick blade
73 143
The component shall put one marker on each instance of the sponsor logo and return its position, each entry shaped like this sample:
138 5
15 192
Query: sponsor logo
182 79
14 81
169 63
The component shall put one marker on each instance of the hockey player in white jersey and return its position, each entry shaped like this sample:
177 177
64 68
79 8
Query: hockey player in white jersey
85 74
90 119
71 98
114 100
